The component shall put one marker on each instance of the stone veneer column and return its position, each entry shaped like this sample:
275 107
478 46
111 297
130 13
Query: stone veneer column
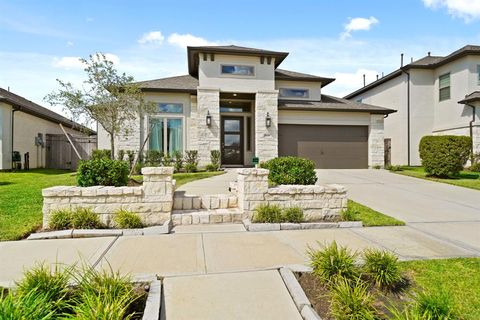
208 100
376 153
266 139
252 184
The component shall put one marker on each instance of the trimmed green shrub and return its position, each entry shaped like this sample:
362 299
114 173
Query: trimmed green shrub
349 214
83 218
475 167
350 300
131 158
121 154
435 305
332 261
382 267
293 215
291 170
178 162
444 156
191 160
394 168
215 160
127 220
60 219
167 160
101 154
266 213
102 172
153 158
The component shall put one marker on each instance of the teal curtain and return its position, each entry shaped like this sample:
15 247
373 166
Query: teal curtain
156 136
175 135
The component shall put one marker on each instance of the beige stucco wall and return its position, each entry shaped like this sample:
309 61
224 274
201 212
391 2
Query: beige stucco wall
314 88
323 118
210 76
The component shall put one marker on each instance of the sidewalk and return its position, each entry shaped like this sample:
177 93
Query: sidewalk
213 185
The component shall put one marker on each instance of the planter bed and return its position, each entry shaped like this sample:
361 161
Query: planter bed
256 227
91 233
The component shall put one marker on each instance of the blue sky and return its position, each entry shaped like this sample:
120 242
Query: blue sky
42 40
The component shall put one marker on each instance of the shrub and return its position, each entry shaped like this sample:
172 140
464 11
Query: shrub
83 218
435 305
377 167
394 168
127 220
350 300
475 167
178 161
191 160
444 156
101 154
102 172
60 219
32 305
266 213
291 170
383 268
167 160
349 214
153 158
131 158
210 167
333 261
293 214
215 160
121 154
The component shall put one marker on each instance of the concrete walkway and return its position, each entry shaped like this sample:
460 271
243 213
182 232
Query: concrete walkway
213 185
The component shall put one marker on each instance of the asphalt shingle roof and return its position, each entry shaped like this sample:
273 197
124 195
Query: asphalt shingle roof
472 97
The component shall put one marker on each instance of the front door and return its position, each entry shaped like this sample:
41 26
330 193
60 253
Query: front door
232 140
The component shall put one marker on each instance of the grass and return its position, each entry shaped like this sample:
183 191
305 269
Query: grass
21 197
466 179
370 217
460 277
183 178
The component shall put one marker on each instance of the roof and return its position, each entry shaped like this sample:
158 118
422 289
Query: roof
189 84
329 103
427 62
281 74
472 97
193 54
37 110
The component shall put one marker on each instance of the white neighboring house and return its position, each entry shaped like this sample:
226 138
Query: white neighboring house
433 95
24 126
236 100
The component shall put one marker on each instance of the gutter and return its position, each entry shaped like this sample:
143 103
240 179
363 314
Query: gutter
471 130
13 132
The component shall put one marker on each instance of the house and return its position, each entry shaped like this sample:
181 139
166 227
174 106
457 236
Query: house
237 100
433 95
24 128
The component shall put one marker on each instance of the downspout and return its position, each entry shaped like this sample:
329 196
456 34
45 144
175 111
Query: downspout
13 132
472 159
408 116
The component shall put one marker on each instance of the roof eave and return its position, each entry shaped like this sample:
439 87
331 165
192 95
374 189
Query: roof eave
337 110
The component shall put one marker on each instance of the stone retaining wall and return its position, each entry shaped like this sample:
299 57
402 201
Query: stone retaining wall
153 200
319 202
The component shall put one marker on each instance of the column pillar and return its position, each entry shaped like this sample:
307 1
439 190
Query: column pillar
266 139
208 101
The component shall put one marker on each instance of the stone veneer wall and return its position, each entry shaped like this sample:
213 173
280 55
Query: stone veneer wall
208 138
153 200
318 202
376 144
476 138
266 139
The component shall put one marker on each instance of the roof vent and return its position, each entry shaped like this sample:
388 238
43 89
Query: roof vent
429 53
401 60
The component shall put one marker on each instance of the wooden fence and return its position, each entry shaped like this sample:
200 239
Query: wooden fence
60 154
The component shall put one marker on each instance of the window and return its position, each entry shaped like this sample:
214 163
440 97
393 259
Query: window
293 93
359 100
166 134
170 107
444 87
478 73
238 70
235 106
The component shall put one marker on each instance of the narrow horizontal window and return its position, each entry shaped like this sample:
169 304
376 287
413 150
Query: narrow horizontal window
293 93
238 70
170 107
444 87
235 106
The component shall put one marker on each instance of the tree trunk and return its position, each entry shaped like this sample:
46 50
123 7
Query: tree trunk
112 146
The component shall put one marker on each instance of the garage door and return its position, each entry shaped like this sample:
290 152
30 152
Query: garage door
330 147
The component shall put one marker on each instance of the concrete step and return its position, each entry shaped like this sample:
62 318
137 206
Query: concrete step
187 217
210 202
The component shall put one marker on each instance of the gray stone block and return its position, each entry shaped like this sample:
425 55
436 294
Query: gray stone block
319 225
258 227
61 234
152 305
290 226
309 314
296 291
91 233
350 224
163 229
132 232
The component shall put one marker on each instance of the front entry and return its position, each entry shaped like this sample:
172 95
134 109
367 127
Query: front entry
232 140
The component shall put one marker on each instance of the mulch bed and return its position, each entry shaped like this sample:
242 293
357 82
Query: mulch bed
319 295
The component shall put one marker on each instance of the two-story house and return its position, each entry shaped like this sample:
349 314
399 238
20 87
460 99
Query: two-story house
433 95
236 100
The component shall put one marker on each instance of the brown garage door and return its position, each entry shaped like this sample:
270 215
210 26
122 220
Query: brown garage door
331 147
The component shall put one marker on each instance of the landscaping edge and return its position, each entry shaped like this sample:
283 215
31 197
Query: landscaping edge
257 227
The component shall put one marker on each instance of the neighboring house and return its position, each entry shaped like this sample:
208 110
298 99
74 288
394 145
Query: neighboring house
238 101
24 127
433 95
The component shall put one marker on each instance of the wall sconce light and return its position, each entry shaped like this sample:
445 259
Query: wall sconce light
208 119
268 120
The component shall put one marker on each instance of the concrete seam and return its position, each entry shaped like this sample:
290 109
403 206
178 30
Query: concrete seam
374 242
102 255
204 256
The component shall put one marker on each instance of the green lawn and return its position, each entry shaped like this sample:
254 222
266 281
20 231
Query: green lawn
467 179
460 277
370 217
182 178
21 197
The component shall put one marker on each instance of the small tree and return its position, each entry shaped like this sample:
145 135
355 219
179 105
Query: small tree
108 97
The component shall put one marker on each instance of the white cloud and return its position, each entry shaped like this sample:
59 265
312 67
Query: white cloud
69 63
466 9
357 24
184 40
152 37
69 44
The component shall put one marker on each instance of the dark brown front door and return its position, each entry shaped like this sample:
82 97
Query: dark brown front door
232 140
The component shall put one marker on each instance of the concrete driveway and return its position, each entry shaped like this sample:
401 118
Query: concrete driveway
441 210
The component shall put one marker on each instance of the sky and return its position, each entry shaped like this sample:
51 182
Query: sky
41 41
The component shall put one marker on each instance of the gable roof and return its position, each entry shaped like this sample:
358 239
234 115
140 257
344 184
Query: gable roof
193 54
472 97
281 74
330 103
27 106
427 62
